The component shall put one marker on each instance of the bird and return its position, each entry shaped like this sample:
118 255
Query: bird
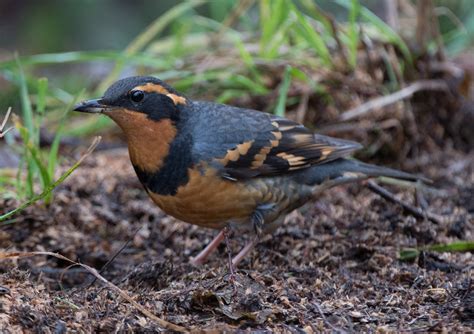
224 167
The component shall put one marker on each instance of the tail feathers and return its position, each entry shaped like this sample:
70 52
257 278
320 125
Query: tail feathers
348 170
376 171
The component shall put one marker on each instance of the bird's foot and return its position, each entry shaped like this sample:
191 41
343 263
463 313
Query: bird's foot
226 232
258 222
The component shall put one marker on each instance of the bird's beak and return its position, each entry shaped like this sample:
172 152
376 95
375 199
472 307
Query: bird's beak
91 106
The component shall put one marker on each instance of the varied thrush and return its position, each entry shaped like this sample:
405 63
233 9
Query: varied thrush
220 166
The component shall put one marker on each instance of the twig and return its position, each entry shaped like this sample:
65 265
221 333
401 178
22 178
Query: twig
5 120
402 94
326 321
302 107
104 267
391 14
235 13
395 62
438 11
368 48
437 35
449 68
417 212
161 322
424 9
334 28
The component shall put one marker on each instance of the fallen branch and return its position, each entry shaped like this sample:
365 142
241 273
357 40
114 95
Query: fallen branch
402 94
417 212
163 323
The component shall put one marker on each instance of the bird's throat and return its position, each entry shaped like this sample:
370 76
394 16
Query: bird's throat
148 140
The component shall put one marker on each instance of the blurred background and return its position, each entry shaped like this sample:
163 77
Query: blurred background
31 27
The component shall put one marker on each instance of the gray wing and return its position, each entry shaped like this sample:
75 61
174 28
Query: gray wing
245 143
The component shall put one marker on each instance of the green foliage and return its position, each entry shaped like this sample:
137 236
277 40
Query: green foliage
353 32
456 25
49 189
36 164
146 36
409 254
283 92
297 31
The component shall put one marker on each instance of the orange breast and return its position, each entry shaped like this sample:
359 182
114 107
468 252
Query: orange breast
210 201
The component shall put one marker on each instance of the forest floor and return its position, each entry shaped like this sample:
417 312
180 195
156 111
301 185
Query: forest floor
333 266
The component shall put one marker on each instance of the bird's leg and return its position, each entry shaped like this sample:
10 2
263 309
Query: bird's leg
225 230
258 221
202 256
244 251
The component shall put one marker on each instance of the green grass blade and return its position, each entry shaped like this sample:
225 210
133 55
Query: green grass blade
220 9
53 152
33 157
353 32
283 92
41 87
53 185
147 36
192 80
91 126
54 149
230 94
61 58
380 25
274 15
247 58
244 53
242 81
19 185
42 91
56 93
159 25
304 28
459 246
27 110
316 13
408 254
80 57
29 132
299 74
278 39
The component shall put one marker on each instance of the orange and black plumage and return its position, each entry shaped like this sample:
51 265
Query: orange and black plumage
215 165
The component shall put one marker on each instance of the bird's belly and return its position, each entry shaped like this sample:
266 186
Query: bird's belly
210 201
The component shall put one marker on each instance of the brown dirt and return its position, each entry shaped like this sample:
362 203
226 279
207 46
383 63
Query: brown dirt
332 267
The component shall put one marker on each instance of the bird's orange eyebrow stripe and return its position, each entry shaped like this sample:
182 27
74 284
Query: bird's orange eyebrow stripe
156 88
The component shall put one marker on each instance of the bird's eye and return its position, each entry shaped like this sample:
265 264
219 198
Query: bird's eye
137 95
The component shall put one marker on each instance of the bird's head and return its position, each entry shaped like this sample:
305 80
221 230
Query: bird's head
147 110
136 97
